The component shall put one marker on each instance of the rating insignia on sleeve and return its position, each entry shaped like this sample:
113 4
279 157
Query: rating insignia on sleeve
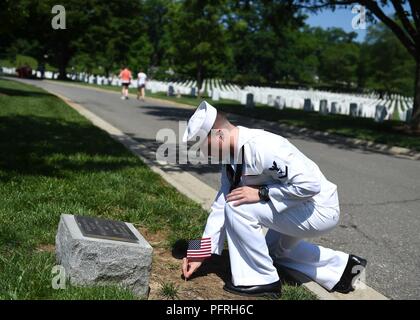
280 172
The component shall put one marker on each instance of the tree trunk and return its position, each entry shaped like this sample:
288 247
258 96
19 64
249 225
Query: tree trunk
62 66
415 120
199 81
63 61
62 75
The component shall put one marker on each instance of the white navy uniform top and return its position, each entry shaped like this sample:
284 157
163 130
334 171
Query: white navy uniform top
271 160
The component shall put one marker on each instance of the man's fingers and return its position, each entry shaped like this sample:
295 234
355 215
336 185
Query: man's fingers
235 197
236 191
185 267
189 273
237 203
191 270
194 267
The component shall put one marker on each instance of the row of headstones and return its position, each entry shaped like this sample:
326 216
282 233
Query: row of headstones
262 93
248 99
37 74
173 91
176 89
279 102
47 74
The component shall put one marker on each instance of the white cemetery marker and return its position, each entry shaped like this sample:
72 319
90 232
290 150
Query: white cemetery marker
171 91
323 106
278 103
215 95
380 113
270 100
353 109
334 107
249 100
307 105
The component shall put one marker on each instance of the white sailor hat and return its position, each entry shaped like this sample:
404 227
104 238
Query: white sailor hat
200 122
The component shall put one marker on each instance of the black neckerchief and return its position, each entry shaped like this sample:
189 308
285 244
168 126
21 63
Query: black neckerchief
235 176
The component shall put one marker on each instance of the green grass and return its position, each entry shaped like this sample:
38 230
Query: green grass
169 290
54 161
388 132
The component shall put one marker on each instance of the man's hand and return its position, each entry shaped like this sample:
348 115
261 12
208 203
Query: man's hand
246 194
190 266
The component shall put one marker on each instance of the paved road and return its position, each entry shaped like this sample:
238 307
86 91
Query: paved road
379 194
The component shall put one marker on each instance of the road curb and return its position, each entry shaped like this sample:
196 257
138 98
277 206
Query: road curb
200 192
353 142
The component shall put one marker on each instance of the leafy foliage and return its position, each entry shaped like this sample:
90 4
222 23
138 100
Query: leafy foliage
257 42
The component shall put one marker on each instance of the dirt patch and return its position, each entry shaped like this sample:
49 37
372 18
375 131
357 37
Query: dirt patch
206 284
45 248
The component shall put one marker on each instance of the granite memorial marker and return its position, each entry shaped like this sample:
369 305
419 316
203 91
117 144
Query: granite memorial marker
96 251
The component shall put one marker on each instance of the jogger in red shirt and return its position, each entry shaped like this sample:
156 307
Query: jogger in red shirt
125 76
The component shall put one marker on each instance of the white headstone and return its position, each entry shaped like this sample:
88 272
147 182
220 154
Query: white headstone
334 107
380 113
249 100
307 105
279 103
171 91
353 109
270 100
215 95
323 106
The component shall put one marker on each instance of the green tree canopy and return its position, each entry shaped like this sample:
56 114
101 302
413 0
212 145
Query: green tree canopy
198 47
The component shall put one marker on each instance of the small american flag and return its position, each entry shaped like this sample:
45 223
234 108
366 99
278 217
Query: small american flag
199 248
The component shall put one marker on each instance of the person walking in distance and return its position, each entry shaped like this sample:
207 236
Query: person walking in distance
141 81
125 76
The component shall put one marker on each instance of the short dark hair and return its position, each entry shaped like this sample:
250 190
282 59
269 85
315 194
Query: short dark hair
221 120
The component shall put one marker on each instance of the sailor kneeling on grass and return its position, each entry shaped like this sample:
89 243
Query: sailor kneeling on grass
266 181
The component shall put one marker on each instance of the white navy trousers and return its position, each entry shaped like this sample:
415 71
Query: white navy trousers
251 252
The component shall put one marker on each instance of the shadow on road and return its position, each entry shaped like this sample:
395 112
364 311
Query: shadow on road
334 141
